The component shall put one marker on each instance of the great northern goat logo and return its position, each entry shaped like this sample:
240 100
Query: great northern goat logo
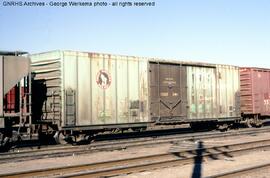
103 79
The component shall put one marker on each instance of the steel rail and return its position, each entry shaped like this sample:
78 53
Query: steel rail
241 172
108 146
129 165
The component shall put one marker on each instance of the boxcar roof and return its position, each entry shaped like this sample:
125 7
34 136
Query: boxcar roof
255 68
151 59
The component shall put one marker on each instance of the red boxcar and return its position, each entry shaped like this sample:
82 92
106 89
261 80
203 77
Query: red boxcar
255 91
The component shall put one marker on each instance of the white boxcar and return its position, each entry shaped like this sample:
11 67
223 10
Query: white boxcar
93 89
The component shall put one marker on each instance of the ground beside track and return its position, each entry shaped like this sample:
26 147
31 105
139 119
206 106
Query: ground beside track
130 152
211 167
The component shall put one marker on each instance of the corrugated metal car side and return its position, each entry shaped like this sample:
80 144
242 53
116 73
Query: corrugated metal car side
202 92
246 91
228 95
261 89
48 69
213 91
97 89
255 91
104 89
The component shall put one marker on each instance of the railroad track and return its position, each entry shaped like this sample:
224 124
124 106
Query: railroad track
149 162
242 172
62 151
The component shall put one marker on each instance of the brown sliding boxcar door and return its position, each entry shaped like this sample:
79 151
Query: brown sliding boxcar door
168 91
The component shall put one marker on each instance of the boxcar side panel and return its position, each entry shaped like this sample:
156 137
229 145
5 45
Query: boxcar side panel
110 91
261 91
154 92
104 89
228 91
133 90
144 87
168 91
246 91
47 86
255 91
201 82
265 105
122 91
70 76
258 92
97 93
84 88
